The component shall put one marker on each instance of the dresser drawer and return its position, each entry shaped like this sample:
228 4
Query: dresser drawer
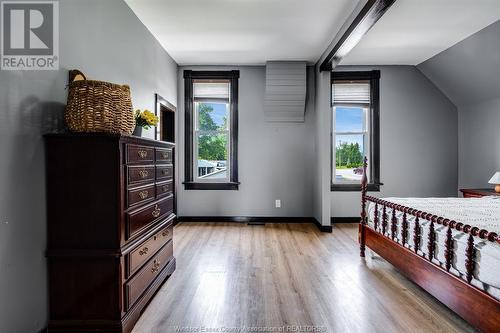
140 174
164 172
472 195
155 211
163 155
140 154
143 279
140 195
146 250
164 189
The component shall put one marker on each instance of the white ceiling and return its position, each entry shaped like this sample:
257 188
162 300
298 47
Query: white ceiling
413 31
226 32
247 32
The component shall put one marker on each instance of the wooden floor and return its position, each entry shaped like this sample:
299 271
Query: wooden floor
231 275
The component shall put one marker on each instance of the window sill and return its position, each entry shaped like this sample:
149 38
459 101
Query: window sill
354 187
231 186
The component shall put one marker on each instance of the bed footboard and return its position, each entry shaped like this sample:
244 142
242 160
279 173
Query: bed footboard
472 304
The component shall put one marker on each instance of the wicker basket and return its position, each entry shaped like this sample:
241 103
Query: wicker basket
97 106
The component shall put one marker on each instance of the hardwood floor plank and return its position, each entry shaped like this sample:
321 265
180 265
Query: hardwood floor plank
232 275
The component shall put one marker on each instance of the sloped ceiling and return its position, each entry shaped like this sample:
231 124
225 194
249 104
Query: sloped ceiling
413 31
468 72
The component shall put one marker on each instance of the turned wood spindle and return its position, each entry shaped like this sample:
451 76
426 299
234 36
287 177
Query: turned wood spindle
432 236
375 219
416 234
470 254
394 221
384 219
448 251
405 227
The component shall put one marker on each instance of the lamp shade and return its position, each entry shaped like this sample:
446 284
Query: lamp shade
495 179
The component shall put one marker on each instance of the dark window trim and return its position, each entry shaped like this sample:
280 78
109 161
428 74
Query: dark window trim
373 187
374 158
189 76
211 186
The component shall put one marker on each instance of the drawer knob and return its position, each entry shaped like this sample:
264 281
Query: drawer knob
143 251
143 194
165 233
165 188
156 212
142 153
164 172
143 173
164 155
156 266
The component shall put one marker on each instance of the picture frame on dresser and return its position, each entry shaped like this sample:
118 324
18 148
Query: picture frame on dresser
165 111
166 131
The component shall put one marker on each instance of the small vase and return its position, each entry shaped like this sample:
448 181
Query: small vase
137 131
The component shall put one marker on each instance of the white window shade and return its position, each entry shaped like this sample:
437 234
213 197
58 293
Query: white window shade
351 93
211 90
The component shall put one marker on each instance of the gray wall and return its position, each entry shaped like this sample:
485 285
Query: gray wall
469 74
275 159
418 140
106 41
479 143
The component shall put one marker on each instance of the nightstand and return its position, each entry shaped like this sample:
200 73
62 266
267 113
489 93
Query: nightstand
478 193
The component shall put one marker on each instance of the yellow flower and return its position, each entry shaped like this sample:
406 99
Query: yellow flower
147 117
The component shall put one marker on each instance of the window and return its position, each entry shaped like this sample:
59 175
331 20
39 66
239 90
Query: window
211 107
355 129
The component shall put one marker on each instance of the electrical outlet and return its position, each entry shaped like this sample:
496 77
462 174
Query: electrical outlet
278 203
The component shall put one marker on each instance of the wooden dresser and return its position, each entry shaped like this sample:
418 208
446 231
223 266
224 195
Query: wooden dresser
478 193
111 208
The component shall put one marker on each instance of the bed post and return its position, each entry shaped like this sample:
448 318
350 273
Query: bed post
362 223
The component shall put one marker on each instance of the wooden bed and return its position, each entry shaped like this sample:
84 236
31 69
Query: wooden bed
471 303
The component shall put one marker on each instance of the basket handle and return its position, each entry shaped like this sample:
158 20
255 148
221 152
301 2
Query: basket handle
76 75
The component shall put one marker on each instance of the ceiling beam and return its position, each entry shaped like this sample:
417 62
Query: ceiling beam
371 12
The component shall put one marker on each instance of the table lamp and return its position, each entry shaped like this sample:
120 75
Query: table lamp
495 180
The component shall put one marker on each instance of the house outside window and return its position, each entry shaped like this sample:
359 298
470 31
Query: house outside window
355 130
211 106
